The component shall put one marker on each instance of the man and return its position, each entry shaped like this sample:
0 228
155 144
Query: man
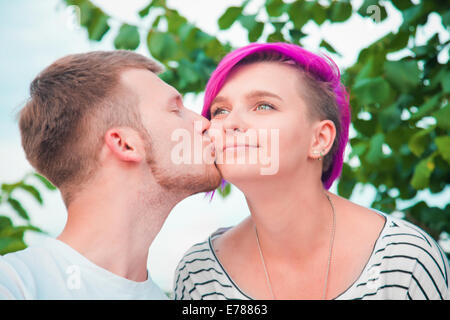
98 125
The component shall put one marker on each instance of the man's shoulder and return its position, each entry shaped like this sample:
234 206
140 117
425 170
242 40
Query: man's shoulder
33 257
16 276
23 270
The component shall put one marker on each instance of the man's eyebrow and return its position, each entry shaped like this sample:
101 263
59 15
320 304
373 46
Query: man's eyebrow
176 96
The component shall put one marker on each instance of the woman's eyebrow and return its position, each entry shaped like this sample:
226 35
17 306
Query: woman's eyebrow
218 99
251 95
262 93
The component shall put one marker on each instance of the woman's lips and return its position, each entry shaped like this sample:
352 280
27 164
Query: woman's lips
236 146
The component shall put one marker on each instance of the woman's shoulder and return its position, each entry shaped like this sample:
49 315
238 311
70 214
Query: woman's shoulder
401 236
199 275
200 252
407 248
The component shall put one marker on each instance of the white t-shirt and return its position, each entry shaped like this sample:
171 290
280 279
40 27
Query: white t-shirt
54 270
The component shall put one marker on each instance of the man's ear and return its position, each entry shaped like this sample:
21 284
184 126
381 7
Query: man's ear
125 144
322 139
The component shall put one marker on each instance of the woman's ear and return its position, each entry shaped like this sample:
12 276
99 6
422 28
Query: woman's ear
324 133
125 144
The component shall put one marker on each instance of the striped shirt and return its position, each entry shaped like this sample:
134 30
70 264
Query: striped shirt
405 264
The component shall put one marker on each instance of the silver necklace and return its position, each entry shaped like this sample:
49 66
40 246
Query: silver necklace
333 231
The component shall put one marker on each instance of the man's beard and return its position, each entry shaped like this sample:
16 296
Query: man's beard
179 181
186 183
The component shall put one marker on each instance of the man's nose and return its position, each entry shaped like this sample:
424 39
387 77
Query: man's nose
203 124
215 131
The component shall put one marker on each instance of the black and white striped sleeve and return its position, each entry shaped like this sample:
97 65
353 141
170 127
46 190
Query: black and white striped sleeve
199 276
184 279
430 275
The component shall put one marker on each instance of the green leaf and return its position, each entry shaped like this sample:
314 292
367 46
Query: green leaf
340 11
5 222
17 206
296 35
415 15
145 11
319 13
275 8
256 32
446 81
370 69
298 15
404 75
226 190
155 3
229 17
174 21
397 41
275 37
162 45
374 10
402 4
443 144
373 90
33 191
8 188
426 108
254 28
440 176
21 229
358 149
155 22
443 117
329 47
187 73
248 21
366 128
128 38
390 117
422 173
432 218
420 141
347 182
94 19
446 19
46 183
375 153
8 245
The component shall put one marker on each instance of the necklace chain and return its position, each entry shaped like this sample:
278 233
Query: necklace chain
333 231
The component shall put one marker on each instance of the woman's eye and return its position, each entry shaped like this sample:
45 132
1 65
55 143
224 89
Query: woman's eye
264 106
219 111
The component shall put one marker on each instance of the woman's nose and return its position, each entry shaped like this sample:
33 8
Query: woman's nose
234 123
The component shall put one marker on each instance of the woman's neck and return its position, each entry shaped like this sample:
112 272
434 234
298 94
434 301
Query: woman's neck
293 216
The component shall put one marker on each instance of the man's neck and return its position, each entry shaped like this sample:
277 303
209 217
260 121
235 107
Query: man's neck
114 230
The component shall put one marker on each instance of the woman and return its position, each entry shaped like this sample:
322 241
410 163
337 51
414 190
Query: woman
300 241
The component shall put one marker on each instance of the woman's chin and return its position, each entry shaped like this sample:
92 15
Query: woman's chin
235 173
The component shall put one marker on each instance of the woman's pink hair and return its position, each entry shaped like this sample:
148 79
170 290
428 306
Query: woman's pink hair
321 68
